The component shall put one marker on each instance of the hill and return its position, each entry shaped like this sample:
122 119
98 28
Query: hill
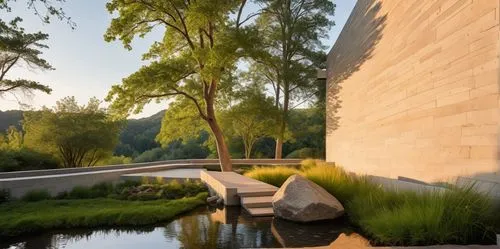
8 118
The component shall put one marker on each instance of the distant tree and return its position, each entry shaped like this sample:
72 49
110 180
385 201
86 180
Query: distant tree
291 32
22 49
79 136
251 119
202 43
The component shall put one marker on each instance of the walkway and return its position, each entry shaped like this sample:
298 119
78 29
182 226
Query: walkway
166 175
255 196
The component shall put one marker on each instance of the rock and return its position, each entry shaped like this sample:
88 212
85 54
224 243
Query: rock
302 200
352 241
220 202
212 200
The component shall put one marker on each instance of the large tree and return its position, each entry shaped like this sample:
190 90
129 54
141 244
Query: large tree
22 49
292 31
79 136
203 40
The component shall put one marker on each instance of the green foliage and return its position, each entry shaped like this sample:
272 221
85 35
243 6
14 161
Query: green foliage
17 48
291 32
192 149
139 135
272 175
18 218
251 119
36 195
52 9
455 216
25 159
115 160
304 153
78 135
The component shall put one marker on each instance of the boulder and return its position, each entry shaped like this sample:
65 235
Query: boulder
212 200
302 200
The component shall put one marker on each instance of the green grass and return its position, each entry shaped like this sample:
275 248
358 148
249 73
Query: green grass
272 175
457 216
19 217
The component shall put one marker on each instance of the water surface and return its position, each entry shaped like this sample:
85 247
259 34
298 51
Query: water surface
204 228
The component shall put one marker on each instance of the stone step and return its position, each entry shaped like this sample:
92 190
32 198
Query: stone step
257 201
255 192
262 211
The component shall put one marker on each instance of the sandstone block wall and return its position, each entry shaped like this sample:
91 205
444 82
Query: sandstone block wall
413 90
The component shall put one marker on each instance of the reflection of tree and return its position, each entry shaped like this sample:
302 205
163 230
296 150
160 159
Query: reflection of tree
194 231
202 231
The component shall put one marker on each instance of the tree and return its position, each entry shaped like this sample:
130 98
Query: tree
78 135
51 9
201 45
292 31
16 48
251 119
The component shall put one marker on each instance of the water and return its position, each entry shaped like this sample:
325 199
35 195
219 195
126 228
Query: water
204 228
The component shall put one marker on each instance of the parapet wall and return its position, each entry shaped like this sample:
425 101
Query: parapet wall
413 90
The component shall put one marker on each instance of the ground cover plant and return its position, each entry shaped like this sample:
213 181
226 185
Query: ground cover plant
104 204
459 215
18 217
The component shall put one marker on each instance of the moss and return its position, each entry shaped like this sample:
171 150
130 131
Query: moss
18 217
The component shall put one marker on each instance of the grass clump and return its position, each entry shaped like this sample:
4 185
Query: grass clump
18 218
399 218
276 175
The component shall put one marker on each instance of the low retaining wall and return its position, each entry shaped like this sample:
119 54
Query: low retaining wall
59 180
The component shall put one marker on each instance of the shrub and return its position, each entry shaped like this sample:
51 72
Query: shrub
4 195
101 190
304 153
36 195
276 175
25 159
80 192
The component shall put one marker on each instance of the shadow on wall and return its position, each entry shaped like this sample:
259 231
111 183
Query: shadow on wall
350 52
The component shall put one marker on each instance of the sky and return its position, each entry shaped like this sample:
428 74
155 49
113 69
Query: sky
85 65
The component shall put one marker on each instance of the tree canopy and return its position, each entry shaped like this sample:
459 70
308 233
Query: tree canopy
79 136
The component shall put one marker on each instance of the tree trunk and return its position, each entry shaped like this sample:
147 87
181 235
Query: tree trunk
222 150
278 154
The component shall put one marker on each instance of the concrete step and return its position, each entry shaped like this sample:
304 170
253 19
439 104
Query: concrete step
264 211
255 192
257 201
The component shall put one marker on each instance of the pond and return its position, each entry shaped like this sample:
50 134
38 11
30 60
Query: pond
204 228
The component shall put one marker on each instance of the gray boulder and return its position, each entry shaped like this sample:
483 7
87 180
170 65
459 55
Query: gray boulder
302 200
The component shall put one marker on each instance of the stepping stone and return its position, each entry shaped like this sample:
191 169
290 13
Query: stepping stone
260 211
252 192
258 201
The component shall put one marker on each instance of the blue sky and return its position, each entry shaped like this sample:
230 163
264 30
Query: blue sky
86 65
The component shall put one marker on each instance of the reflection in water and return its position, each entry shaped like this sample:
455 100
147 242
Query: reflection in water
204 228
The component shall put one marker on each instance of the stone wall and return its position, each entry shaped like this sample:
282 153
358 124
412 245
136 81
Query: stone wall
413 90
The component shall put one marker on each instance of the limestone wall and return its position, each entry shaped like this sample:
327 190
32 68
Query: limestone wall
413 90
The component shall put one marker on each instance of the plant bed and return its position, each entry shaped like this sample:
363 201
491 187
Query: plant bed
402 218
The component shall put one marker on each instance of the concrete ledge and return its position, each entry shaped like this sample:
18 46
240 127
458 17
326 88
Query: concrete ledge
205 162
65 182
228 193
